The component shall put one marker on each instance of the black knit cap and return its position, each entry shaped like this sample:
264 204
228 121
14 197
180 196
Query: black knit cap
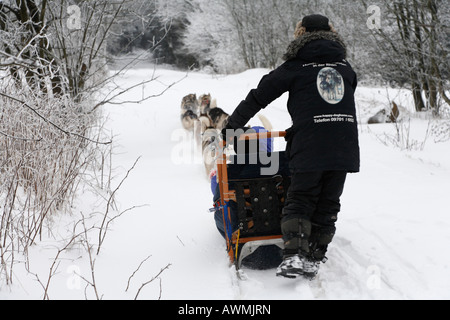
316 22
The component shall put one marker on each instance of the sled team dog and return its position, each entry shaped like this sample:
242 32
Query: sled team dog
206 103
211 138
210 145
189 111
206 120
193 109
202 117
211 125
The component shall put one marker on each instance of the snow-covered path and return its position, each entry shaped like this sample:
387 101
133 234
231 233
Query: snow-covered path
392 233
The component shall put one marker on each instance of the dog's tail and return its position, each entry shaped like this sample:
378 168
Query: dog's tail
265 122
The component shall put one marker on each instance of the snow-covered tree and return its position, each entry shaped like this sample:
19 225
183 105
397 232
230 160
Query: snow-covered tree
413 44
233 35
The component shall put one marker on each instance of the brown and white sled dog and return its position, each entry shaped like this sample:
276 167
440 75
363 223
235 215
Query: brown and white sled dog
189 111
206 103
208 138
218 118
210 143
203 123
211 135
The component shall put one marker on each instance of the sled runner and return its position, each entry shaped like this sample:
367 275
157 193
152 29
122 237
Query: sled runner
256 199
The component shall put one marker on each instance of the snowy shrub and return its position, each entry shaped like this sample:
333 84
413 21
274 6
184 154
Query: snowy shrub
43 154
53 79
441 131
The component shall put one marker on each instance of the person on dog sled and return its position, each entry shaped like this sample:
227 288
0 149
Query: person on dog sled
264 145
262 258
322 144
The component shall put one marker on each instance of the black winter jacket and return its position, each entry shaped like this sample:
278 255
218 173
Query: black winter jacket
321 85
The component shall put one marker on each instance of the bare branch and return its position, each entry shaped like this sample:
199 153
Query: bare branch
150 281
103 227
135 271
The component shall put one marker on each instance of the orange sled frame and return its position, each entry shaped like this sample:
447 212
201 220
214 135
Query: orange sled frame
238 246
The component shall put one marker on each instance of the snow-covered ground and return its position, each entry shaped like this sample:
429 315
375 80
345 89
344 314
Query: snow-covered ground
393 232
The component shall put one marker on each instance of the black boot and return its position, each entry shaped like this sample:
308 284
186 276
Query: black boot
319 240
307 262
296 233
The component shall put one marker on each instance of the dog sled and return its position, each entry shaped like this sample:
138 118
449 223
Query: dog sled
257 199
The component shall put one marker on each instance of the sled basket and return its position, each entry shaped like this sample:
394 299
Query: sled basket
257 194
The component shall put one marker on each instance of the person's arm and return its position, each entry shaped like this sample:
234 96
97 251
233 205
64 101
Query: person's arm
271 87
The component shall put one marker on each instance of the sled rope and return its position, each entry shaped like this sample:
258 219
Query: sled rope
237 243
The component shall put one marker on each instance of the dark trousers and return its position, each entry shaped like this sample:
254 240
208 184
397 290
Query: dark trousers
311 210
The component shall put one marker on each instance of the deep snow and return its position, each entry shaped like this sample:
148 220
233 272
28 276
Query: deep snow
393 231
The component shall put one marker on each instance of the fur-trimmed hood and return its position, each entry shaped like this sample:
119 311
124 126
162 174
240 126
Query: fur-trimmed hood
299 43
